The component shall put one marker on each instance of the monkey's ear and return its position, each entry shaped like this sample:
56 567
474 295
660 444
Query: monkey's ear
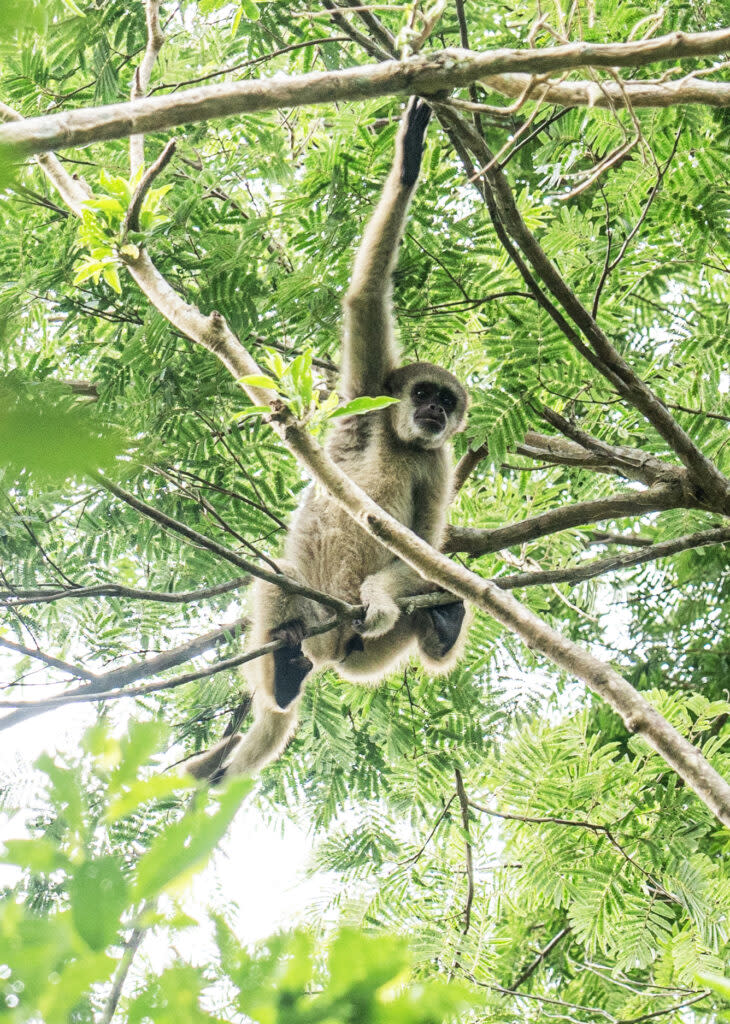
388 385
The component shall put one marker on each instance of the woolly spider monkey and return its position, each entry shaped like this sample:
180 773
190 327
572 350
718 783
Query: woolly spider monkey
399 455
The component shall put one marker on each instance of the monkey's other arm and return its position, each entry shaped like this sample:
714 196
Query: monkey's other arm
370 352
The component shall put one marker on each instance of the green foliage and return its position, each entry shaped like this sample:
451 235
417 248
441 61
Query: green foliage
47 434
368 979
597 843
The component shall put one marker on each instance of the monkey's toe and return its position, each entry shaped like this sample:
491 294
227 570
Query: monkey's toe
446 620
292 632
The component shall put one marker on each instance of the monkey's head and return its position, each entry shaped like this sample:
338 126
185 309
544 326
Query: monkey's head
432 406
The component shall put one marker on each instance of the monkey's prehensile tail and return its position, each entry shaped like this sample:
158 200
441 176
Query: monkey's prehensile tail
248 754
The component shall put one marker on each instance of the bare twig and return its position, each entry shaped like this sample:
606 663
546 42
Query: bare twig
540 958
141 80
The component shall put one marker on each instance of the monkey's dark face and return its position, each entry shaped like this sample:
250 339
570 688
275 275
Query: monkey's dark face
432 405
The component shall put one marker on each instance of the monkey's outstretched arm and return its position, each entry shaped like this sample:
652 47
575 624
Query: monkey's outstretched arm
370 351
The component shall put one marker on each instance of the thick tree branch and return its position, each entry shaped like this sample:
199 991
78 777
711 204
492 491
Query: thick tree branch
449 69
470 540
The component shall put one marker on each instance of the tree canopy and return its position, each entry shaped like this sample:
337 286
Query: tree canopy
541 834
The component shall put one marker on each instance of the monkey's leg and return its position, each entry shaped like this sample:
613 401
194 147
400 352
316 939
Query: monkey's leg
264 742
278 677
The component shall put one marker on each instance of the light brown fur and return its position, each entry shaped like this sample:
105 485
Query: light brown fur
404 467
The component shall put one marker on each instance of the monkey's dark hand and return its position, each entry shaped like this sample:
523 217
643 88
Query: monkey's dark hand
417 117
291 666
447 620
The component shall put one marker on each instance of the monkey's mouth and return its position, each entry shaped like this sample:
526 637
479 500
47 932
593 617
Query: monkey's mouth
432 421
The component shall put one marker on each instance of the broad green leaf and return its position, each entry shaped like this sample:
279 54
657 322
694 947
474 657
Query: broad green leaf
359 406
98 893
154 788
185 846
259 381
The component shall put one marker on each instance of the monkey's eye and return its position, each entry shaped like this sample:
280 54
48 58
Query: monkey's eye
448 402
421 393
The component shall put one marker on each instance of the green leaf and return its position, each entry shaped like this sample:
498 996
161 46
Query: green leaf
37 855
142 791
359 406
253 410
185 847
111 277
98 893
717 982
250 9
46 432
256 380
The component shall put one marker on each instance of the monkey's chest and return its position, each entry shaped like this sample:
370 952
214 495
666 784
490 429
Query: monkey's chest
329 549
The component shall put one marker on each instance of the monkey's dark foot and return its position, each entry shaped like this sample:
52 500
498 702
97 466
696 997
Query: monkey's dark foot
446 620
355 643
291 666
417 118
218 777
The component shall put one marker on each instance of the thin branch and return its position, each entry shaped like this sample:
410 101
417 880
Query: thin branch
130 948
649 553
540 958
46 659
288 585
449 69
127 674
112 685
631 540
131 218
464 805
609 94
16 598
142 75
540 820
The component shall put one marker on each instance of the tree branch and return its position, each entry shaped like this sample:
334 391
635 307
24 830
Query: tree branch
141 80
612 95
449 69
605 358
470 540
288 585
720 535
544 952
138 670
